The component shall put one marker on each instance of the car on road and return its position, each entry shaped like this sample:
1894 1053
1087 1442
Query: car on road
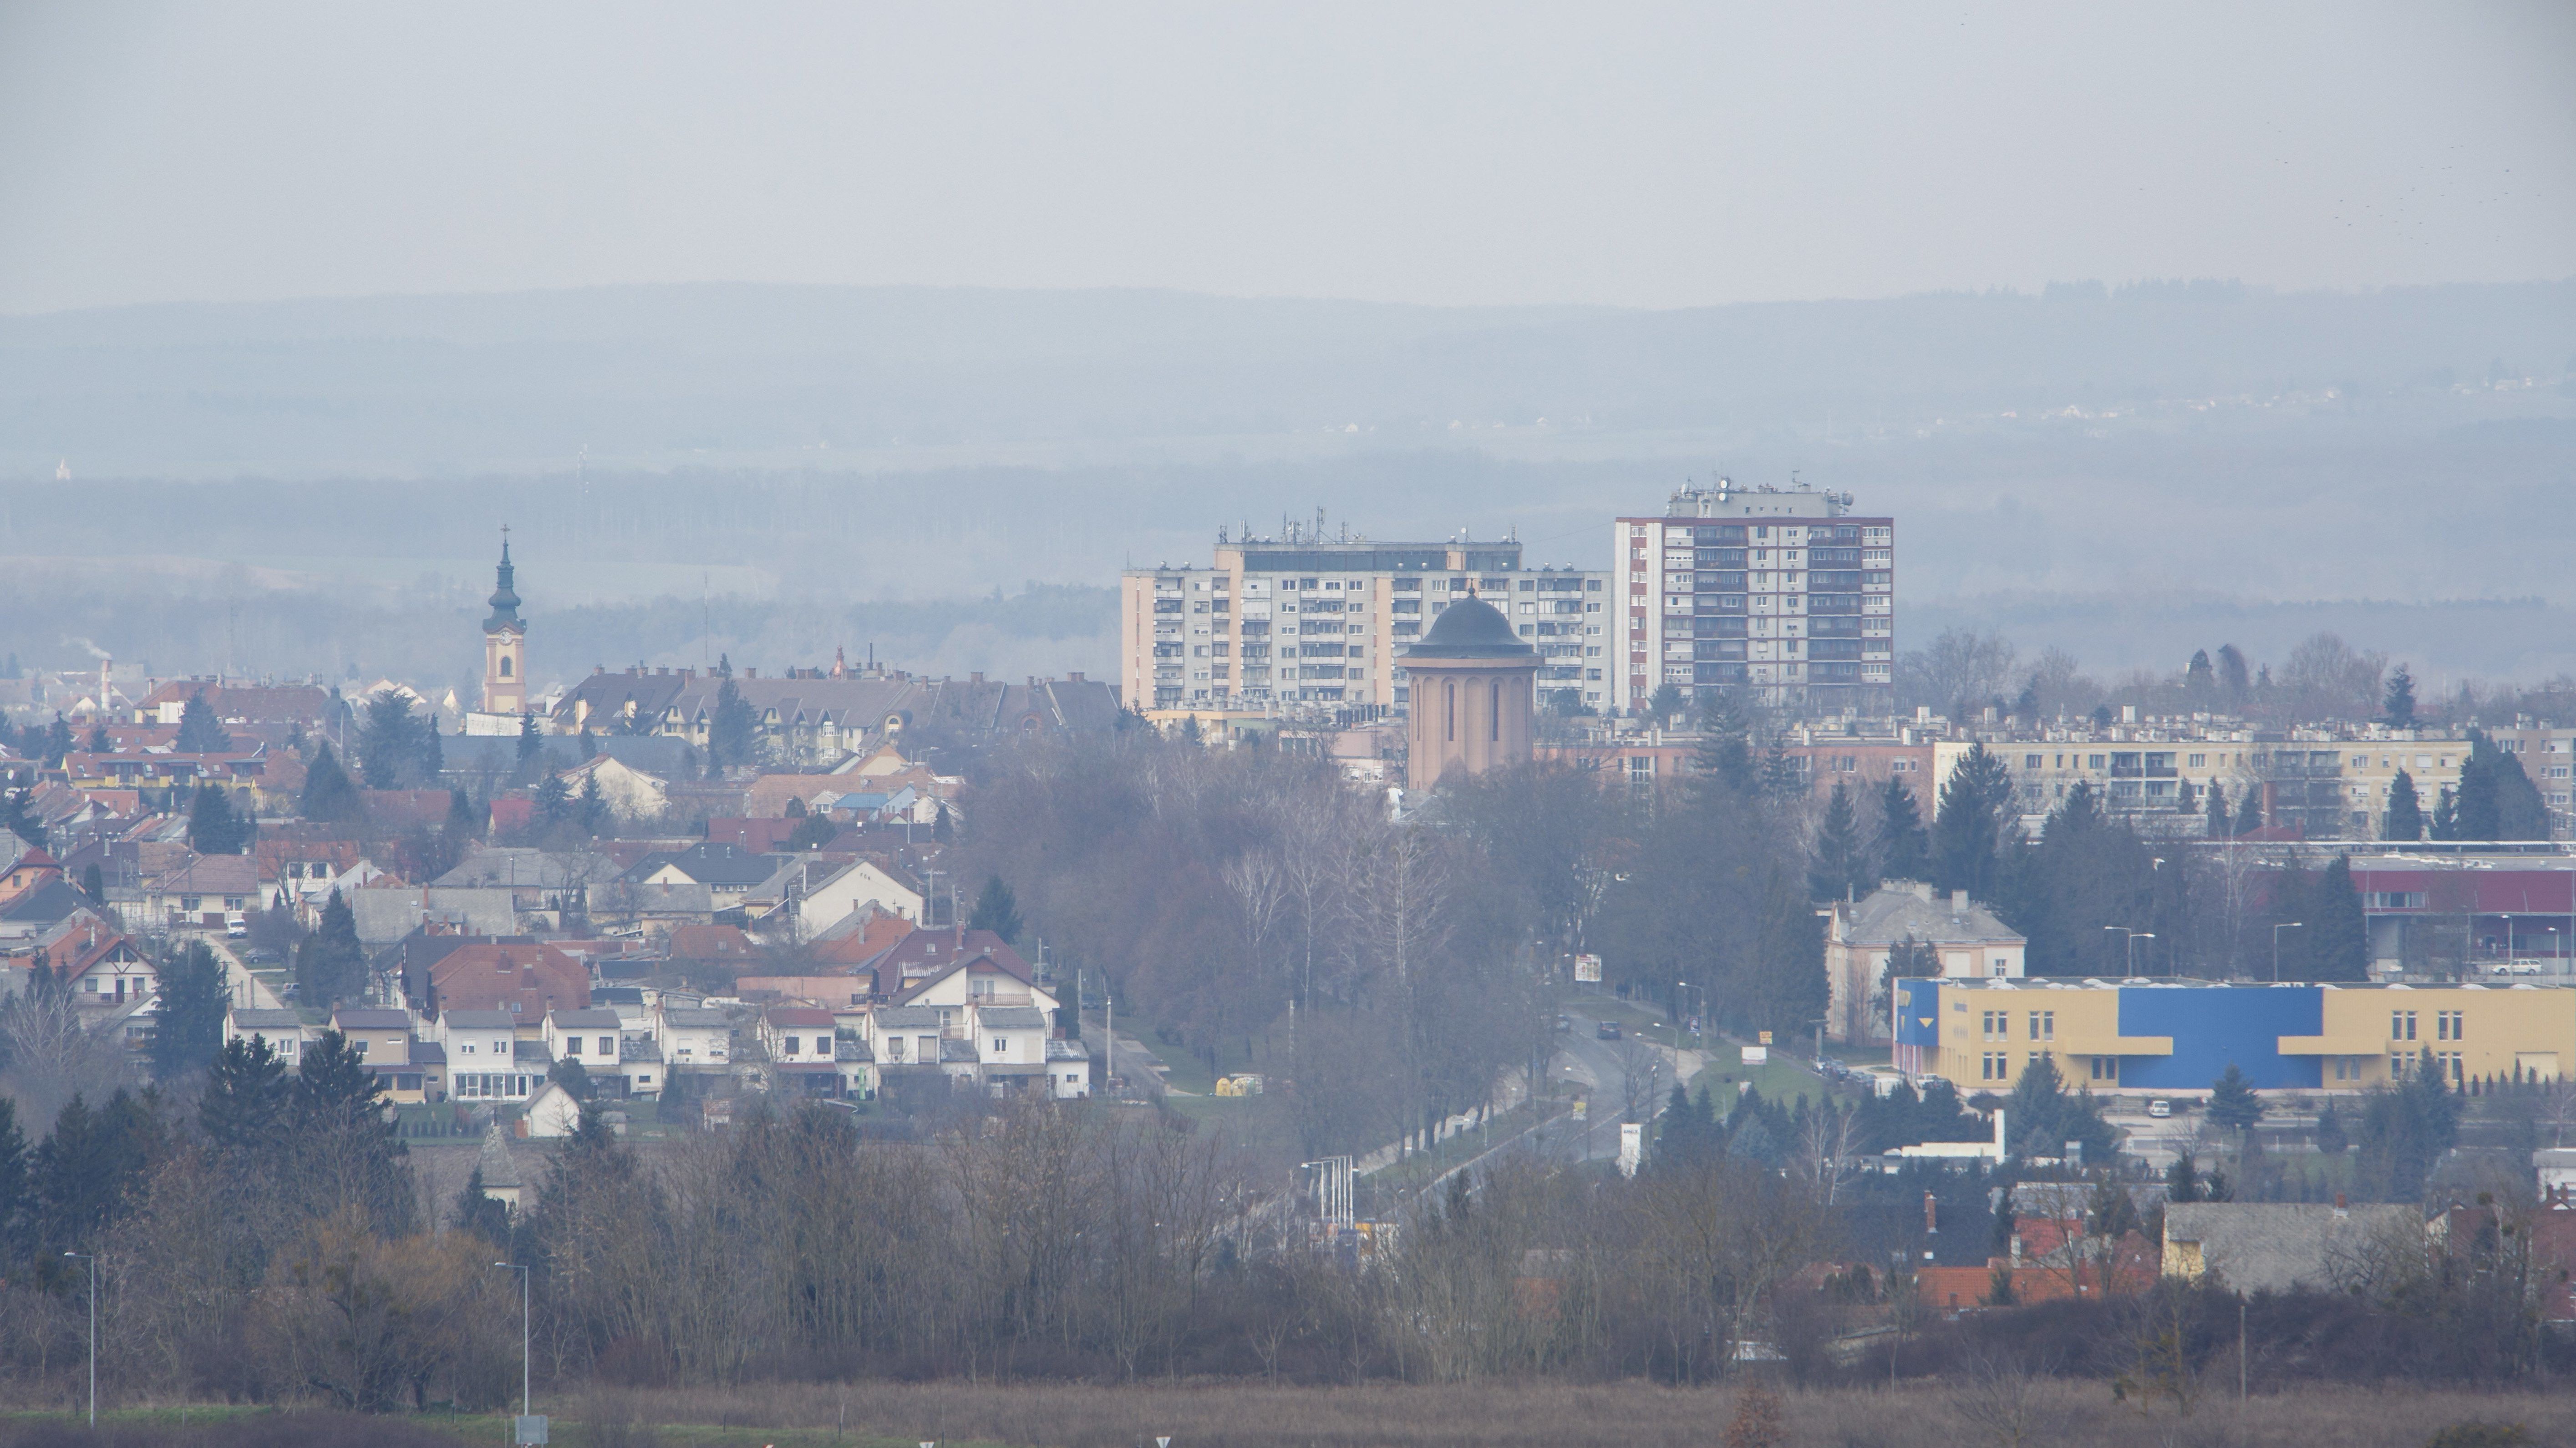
1565 1023
1609 1031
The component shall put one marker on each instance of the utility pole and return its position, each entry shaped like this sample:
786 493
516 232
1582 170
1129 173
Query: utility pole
92 1259
529 1429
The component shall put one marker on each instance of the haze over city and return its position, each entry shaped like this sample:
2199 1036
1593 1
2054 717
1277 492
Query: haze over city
1240 724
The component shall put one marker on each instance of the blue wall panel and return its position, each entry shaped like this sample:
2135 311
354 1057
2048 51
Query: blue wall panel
1918 1016
2213 1026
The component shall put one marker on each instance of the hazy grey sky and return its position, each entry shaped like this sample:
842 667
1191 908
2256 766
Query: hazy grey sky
1475 153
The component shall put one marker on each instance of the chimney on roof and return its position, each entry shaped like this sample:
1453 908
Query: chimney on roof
751 673
1073 678
974 678
1958 902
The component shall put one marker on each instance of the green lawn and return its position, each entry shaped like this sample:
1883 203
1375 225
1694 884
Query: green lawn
1777 1080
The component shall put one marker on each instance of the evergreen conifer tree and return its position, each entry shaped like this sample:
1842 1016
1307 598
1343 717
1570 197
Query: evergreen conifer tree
1902 848
483 1214
1973 829
89 1169
997 910
1724 759
2496 800
2446 816
328 795
431 756
213 828
2249 810
1839 870
2217 802
2233 683
331 966
2338 936
2182 1181
1664 703
531 743
2233 1106
17 1205
553 802
388 750
200 732
16 818
730 729
464 819
94 883
940 827
591 813
2332 1139
2400 711
244 1107
2405 819
2200 680
188 1025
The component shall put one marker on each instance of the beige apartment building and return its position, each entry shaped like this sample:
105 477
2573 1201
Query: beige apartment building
1778 590
1304 620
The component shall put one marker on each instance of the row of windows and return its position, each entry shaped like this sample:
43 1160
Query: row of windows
2447 1025
1997 1025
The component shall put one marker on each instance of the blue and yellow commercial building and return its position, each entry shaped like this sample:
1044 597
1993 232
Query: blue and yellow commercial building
2165 1036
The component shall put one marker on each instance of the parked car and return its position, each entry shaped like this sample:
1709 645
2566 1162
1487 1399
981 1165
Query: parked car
262 956
1565 1023
236 927
1609 1031
2160 1108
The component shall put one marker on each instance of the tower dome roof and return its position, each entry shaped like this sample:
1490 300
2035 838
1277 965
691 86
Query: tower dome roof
1471 629
505 598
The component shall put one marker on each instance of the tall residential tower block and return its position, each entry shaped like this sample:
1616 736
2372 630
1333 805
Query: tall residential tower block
1783 592
1308 620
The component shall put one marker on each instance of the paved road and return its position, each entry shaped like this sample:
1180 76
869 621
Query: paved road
247 990
1583 1058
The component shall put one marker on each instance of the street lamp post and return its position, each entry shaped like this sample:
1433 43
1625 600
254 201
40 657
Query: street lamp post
2125 935
2276 944
2134 937
92 1259
524 1410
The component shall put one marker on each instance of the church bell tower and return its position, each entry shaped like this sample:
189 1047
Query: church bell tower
505 678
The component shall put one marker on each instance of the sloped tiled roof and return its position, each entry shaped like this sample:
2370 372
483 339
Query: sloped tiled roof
2279 1246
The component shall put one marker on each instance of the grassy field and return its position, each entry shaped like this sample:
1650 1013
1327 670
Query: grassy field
1777 1080
1255 1415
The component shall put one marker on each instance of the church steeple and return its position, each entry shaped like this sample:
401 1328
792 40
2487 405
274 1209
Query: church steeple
505 678
505 598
